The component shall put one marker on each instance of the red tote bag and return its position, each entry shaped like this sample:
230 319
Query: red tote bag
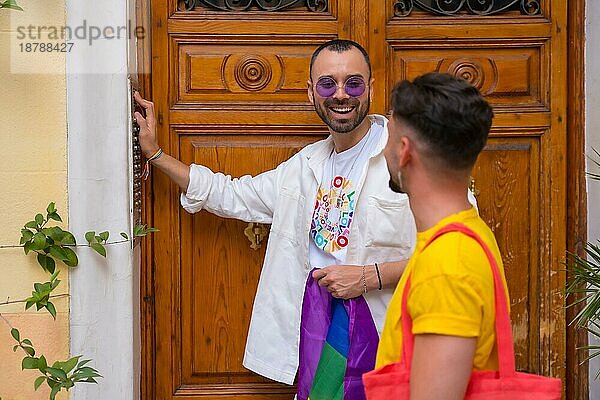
393 381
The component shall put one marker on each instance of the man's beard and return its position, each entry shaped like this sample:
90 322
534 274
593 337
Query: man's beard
362 109
397 187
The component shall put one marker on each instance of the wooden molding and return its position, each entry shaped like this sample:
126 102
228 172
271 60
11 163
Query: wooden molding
577 383
147 373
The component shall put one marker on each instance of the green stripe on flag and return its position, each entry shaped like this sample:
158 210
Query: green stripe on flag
328 383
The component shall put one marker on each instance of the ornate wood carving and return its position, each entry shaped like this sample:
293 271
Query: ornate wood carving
225 75
509 77
403 8
472 71
264 5
253 72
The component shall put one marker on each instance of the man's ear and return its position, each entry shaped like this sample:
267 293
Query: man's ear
310 92
405 151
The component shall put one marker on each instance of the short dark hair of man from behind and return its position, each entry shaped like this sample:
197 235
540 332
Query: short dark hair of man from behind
340 46
449 115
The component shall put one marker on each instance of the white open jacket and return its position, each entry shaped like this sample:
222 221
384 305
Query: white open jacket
383 230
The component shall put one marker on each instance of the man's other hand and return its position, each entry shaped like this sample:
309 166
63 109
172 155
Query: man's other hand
342 281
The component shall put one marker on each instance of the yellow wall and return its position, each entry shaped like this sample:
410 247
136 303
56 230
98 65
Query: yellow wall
33 172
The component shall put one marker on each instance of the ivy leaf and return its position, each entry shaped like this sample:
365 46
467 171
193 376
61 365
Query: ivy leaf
15 347
27 235
39 219
124 235
12 4
68 239
29 303
99 249
29 363
104 235
39 241
58 253
55 217
46 262
15 333
29 350
71 260
51 208
38 382
51 309
42 364
28 342
31 224
56 234
90 236
28 247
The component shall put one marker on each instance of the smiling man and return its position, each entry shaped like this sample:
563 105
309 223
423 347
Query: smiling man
332 211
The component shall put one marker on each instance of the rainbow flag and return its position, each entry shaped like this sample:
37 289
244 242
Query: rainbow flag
338 343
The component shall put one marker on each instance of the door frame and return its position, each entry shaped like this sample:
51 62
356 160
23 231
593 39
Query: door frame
577 384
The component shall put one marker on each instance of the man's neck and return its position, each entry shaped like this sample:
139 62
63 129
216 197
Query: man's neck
344 141
430 203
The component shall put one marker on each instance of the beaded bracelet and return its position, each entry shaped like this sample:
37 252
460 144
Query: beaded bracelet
364 280
153 157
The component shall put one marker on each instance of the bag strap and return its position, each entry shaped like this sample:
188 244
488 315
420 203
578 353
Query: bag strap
504 338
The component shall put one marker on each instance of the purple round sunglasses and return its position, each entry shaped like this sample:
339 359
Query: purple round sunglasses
354 86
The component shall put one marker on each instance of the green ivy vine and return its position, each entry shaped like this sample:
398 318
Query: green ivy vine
53 245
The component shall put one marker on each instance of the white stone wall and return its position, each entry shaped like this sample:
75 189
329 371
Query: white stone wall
104 292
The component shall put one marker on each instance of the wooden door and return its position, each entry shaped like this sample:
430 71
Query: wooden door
229 83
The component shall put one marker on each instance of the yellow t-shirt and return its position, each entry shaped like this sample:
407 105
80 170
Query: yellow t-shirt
452 292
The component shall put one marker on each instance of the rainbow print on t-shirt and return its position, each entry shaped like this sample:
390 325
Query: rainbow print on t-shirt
334 210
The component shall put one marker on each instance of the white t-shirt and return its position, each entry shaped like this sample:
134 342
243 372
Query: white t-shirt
336 200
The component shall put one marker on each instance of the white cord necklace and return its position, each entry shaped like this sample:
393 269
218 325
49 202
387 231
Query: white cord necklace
333 157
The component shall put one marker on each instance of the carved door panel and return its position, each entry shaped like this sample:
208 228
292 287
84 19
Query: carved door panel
229 84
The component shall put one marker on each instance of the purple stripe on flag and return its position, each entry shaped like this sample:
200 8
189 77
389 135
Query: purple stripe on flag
316 318
363 347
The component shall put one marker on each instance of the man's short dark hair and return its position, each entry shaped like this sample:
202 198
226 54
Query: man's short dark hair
448 114
340 46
